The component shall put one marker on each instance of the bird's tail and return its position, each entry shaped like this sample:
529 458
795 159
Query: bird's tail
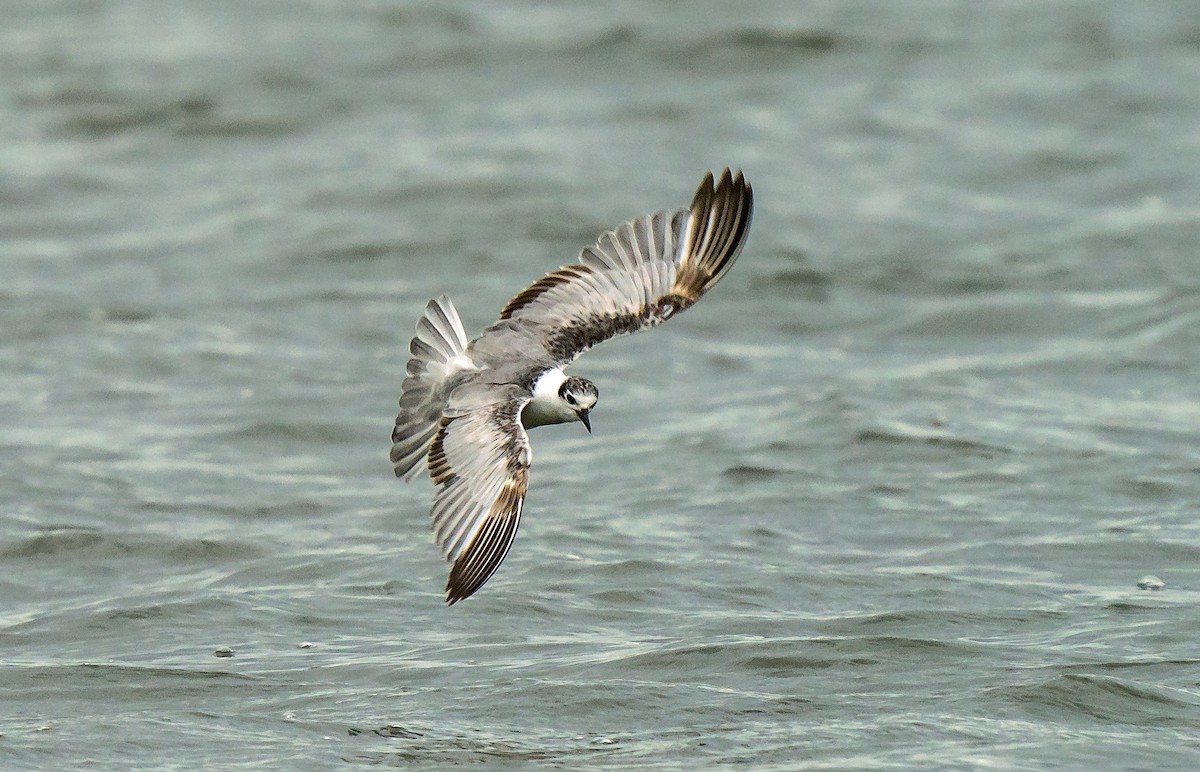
437 352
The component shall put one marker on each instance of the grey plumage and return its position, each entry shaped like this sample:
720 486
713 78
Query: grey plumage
466 406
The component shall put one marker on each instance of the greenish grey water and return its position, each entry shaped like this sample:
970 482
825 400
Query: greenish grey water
882 500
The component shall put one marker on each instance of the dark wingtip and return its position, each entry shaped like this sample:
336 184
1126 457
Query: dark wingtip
490 546
720 219
457 589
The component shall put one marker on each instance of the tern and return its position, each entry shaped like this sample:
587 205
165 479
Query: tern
465 406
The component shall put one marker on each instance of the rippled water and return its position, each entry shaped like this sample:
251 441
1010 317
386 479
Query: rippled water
883 499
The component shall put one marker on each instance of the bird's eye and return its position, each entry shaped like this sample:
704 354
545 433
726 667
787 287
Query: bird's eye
570 399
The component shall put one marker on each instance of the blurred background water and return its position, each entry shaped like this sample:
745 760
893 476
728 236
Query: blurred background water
883 499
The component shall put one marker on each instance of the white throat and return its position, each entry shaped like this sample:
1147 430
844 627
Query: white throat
547 407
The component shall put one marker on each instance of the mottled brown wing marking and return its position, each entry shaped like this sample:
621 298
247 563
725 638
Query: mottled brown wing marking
535 290
439 468
572 340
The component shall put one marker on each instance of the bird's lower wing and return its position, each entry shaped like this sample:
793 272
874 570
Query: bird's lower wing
479 462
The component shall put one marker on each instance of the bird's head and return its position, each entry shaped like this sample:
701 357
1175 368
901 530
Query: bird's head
580 396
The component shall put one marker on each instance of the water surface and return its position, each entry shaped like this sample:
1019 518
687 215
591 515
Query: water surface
882 500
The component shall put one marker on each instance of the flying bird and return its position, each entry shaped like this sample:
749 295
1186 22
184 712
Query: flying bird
465 406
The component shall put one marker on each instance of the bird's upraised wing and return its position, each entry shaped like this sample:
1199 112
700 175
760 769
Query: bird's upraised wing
639 274
479 462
